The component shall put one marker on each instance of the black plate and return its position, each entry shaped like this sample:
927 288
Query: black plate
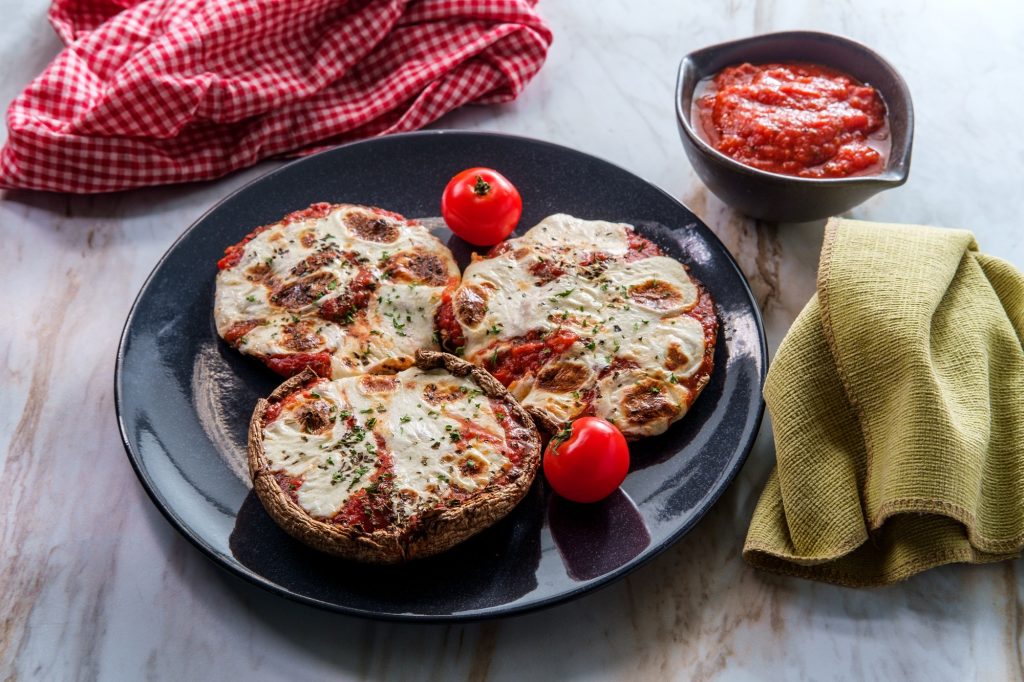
184 398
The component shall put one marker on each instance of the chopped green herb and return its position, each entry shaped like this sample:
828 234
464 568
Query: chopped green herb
360 470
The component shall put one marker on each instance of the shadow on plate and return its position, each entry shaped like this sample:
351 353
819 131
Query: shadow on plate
595 539
497 566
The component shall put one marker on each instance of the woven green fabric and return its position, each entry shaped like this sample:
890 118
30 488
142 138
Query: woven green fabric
897 403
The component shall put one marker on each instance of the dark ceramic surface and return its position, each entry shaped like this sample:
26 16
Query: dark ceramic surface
184 398
771 196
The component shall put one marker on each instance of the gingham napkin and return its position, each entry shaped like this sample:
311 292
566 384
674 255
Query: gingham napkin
163 91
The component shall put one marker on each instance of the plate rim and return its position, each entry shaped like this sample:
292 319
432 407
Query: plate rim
501 611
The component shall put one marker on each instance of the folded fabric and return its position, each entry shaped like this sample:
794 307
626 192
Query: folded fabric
163 91
897 403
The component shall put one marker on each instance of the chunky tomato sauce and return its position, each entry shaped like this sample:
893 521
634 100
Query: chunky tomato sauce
527 354
343 308
794 119
291 364
370 508
447 326
640 247
236 331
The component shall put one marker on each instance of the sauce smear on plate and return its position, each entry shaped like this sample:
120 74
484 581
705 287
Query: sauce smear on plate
795 119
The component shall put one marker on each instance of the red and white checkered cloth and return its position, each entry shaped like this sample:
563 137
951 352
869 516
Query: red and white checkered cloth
163 91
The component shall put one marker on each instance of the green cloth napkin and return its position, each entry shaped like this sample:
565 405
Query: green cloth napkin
897 402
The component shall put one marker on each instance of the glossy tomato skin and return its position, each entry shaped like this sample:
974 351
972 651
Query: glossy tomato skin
481 206
590 464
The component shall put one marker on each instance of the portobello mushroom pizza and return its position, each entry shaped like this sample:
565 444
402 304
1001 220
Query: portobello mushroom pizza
582 317
385 468
340 288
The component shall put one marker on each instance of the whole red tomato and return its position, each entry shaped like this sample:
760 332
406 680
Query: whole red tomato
587 461
481 206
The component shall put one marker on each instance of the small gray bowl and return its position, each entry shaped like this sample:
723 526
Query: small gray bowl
785 198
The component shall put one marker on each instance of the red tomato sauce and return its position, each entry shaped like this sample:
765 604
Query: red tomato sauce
290 365
233 254
370 508
640 247
236 331
527 354
343 308
448 327
794 119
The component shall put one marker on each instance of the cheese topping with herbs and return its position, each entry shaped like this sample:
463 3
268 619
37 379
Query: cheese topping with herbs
356 285
420 438
644 330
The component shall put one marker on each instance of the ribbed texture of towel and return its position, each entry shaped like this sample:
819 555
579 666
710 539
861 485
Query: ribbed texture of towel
897 402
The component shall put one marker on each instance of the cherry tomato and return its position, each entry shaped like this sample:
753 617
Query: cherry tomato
481 206
587 460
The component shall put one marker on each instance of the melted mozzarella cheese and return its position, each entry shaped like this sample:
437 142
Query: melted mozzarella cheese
623 311
561 230
427 442
398 321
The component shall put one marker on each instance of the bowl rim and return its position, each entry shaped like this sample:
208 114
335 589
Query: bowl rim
897 168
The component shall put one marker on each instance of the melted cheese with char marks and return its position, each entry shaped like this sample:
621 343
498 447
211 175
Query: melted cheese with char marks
398 320
428 443
630 316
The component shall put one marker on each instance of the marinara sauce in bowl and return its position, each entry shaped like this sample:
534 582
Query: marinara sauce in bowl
794 126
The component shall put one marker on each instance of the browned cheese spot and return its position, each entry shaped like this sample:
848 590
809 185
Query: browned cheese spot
647 401
395 364
676 357
301 293
656 294
470 305
473 465
301 336
563 377
315 261
377 383
371 227
260 272
417 268
314 416
307 238
446 393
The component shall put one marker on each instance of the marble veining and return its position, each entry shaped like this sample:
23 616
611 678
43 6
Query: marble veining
94 584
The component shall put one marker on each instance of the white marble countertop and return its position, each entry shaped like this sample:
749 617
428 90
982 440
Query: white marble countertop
95 584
